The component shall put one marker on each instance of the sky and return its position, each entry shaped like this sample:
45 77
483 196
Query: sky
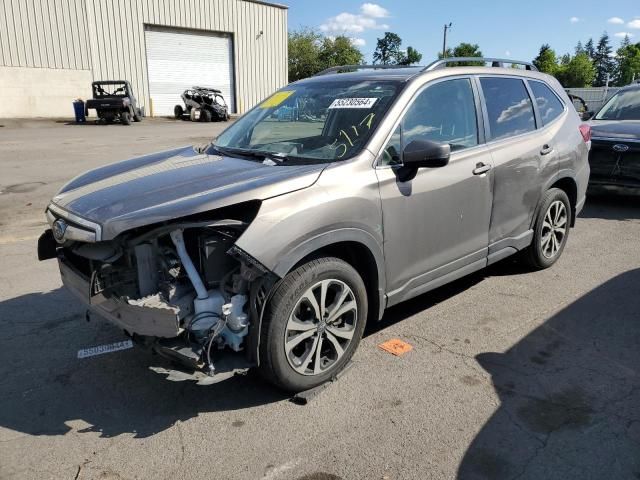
513 29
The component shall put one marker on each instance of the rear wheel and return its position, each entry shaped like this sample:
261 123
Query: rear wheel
551 230
125 118
137 117
313 324
178 112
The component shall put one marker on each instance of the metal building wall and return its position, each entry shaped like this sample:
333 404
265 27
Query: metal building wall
44 34
107 37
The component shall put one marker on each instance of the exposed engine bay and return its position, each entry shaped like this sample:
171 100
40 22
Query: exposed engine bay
184 290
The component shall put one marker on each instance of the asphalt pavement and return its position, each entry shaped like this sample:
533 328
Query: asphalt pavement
513 374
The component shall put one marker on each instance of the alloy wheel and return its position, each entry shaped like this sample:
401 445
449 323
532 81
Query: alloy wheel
321 327
554 229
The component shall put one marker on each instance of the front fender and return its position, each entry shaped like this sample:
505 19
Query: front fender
289 259
291 226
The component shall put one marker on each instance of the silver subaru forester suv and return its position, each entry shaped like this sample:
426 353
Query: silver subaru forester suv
333 199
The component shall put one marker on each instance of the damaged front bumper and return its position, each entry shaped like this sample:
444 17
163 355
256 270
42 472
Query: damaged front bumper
157 328
183 290
145 317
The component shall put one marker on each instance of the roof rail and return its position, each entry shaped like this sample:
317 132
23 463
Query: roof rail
495 62
341 68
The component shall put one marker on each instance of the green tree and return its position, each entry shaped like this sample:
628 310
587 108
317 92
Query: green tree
626 41
339 51
388 49
546 61
579 48
464 50
590 49
310 53
304 53
412 56
578 72
627 62
602 61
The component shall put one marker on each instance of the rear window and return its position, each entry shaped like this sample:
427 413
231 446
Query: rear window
509 107
549 106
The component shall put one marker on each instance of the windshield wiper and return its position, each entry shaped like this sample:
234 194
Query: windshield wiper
258 154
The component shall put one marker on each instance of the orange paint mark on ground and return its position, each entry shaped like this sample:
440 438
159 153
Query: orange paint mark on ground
396 347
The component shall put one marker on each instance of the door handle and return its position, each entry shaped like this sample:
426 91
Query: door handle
546 150
481 168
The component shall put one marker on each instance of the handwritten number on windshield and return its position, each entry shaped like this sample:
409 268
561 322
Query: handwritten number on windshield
342 148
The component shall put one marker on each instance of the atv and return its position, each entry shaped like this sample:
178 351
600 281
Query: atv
202 104
114 100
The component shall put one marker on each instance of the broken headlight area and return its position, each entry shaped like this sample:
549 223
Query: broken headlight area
184 290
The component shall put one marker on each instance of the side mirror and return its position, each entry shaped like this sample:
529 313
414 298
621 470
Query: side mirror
426 154
587 115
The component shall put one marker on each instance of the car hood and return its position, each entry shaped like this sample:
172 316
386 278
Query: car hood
173 184
624 130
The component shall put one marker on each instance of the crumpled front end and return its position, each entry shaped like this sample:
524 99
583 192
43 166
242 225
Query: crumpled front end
182 288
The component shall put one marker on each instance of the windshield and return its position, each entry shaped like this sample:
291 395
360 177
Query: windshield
623 105
110 90
317 121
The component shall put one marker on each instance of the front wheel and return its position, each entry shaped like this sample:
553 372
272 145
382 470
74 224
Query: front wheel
205 115
313 324
125 118
551 230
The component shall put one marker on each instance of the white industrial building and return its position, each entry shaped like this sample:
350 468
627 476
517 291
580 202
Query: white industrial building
51 51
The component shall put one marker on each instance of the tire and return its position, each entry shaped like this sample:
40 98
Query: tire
551 230
205 115
125 118
137 117
195 114
299 367
178 112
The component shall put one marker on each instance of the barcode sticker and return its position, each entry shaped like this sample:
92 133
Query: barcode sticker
100 349
353 103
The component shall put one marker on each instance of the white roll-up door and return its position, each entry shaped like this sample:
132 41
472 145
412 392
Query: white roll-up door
181 59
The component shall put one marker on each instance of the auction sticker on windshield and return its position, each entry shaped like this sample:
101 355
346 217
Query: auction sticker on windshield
353 103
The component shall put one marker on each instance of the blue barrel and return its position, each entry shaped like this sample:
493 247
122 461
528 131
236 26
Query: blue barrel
78 109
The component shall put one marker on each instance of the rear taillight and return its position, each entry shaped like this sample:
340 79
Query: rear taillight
585 130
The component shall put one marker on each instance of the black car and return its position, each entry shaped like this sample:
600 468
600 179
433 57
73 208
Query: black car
114 100
202 104
615 142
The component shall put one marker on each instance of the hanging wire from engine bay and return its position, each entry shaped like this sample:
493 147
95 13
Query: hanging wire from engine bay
215 332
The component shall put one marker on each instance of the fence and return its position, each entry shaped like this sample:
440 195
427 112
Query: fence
594 97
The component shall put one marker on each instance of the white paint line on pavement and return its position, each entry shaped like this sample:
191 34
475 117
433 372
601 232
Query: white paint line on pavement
101 349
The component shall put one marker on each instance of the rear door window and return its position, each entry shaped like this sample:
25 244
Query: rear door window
509 107
549 105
